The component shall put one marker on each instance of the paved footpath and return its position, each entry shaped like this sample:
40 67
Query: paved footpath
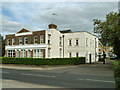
52 67
31 67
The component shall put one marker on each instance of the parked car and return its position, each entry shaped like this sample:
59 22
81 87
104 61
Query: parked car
113 57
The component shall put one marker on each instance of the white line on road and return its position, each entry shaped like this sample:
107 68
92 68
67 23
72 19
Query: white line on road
4 72
37 75
98 80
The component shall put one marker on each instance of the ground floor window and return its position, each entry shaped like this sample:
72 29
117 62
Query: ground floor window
60 52
17 53
70 54
48 53
38 53
11 53
77 54
29 53
22 53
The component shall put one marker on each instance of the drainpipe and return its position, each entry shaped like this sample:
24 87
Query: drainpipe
63 45
95 49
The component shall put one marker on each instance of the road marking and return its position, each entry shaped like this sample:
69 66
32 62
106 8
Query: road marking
5 72
98 80
37 75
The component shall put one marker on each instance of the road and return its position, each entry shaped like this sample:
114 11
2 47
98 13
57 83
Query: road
83 76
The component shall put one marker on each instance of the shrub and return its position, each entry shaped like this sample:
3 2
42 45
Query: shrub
44 61
116 68
101 59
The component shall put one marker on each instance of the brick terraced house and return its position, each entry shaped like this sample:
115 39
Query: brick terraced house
52 43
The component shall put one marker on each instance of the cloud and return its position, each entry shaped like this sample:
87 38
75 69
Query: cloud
10 27
36 16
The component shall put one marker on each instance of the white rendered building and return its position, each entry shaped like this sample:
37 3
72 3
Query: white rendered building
52 43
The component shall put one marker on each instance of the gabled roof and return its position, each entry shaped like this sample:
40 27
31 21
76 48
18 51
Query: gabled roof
23 30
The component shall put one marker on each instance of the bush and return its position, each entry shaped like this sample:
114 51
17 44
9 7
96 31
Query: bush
101 59
116 68
44 61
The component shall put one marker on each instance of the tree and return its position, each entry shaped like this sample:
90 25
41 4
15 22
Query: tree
109 31
2 46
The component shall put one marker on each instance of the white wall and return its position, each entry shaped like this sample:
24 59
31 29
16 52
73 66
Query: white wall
82 49
55 39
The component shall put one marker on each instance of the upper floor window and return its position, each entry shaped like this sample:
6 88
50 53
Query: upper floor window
13 41
70 42
25 40
90 43
8 41
49 38
76 42
20 40
41 39
86 41
60 40
35 39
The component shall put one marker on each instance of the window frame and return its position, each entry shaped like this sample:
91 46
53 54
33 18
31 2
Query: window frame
42 39
8 41
20 40
70 54
49 37
77 54
25 40
13 41
77 42
70 42
35 39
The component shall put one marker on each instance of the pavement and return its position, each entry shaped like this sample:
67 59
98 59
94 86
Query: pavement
46 67
96 75
31 67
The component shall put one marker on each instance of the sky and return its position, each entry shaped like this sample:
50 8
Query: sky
77 16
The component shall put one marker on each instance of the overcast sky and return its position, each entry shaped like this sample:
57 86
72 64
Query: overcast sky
77 16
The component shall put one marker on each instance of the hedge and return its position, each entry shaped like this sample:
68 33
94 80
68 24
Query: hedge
44 61
116 69
101 59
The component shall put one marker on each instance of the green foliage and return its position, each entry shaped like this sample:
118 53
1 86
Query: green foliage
2 46
109 31
116 68
44 61
101 59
